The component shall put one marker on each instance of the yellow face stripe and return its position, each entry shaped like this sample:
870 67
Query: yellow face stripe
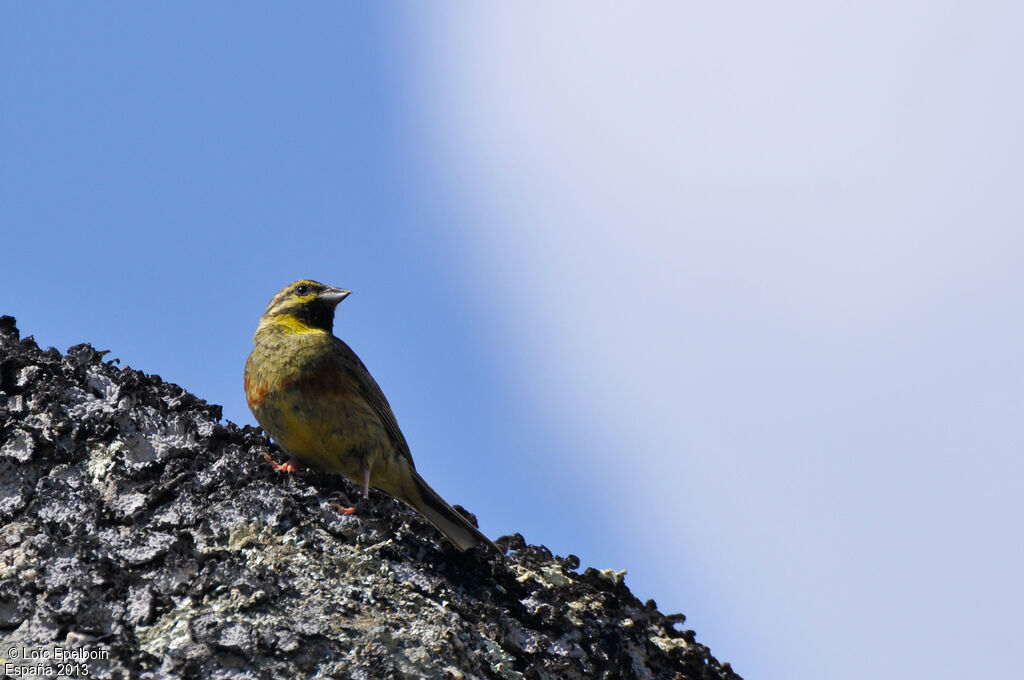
286 300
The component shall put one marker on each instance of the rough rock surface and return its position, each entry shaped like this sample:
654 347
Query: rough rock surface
139 529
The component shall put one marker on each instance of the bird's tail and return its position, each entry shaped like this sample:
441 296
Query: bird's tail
447 519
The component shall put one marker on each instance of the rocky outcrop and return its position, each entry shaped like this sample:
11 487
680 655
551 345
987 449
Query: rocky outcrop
144 538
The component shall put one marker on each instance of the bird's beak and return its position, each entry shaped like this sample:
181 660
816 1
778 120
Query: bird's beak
334 295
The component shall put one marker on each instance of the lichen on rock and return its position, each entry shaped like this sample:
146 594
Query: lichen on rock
140 528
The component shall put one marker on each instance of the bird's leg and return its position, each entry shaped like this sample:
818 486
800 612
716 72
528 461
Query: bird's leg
287 466
349 507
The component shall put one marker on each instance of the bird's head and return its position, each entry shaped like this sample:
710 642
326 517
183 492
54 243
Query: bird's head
303 304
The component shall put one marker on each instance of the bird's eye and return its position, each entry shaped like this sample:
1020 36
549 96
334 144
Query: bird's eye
301 290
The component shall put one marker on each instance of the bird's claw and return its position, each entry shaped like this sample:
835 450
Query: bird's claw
287 466
348 508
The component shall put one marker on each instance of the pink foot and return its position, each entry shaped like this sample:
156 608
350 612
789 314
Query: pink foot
348 508
287 466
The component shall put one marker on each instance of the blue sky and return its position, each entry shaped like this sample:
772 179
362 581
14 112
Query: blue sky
728 296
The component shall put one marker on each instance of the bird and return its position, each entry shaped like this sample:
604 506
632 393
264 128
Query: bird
316 399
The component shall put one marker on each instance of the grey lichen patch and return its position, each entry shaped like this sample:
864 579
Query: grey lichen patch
140 605
161 436
128 503
17 484
139 449
135 547
102 386
19 446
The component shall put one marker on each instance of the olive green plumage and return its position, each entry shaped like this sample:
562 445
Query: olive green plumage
311 393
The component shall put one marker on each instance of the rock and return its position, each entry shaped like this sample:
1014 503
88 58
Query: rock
149 538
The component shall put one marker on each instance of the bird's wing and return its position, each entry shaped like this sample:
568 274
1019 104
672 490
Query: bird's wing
360 379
